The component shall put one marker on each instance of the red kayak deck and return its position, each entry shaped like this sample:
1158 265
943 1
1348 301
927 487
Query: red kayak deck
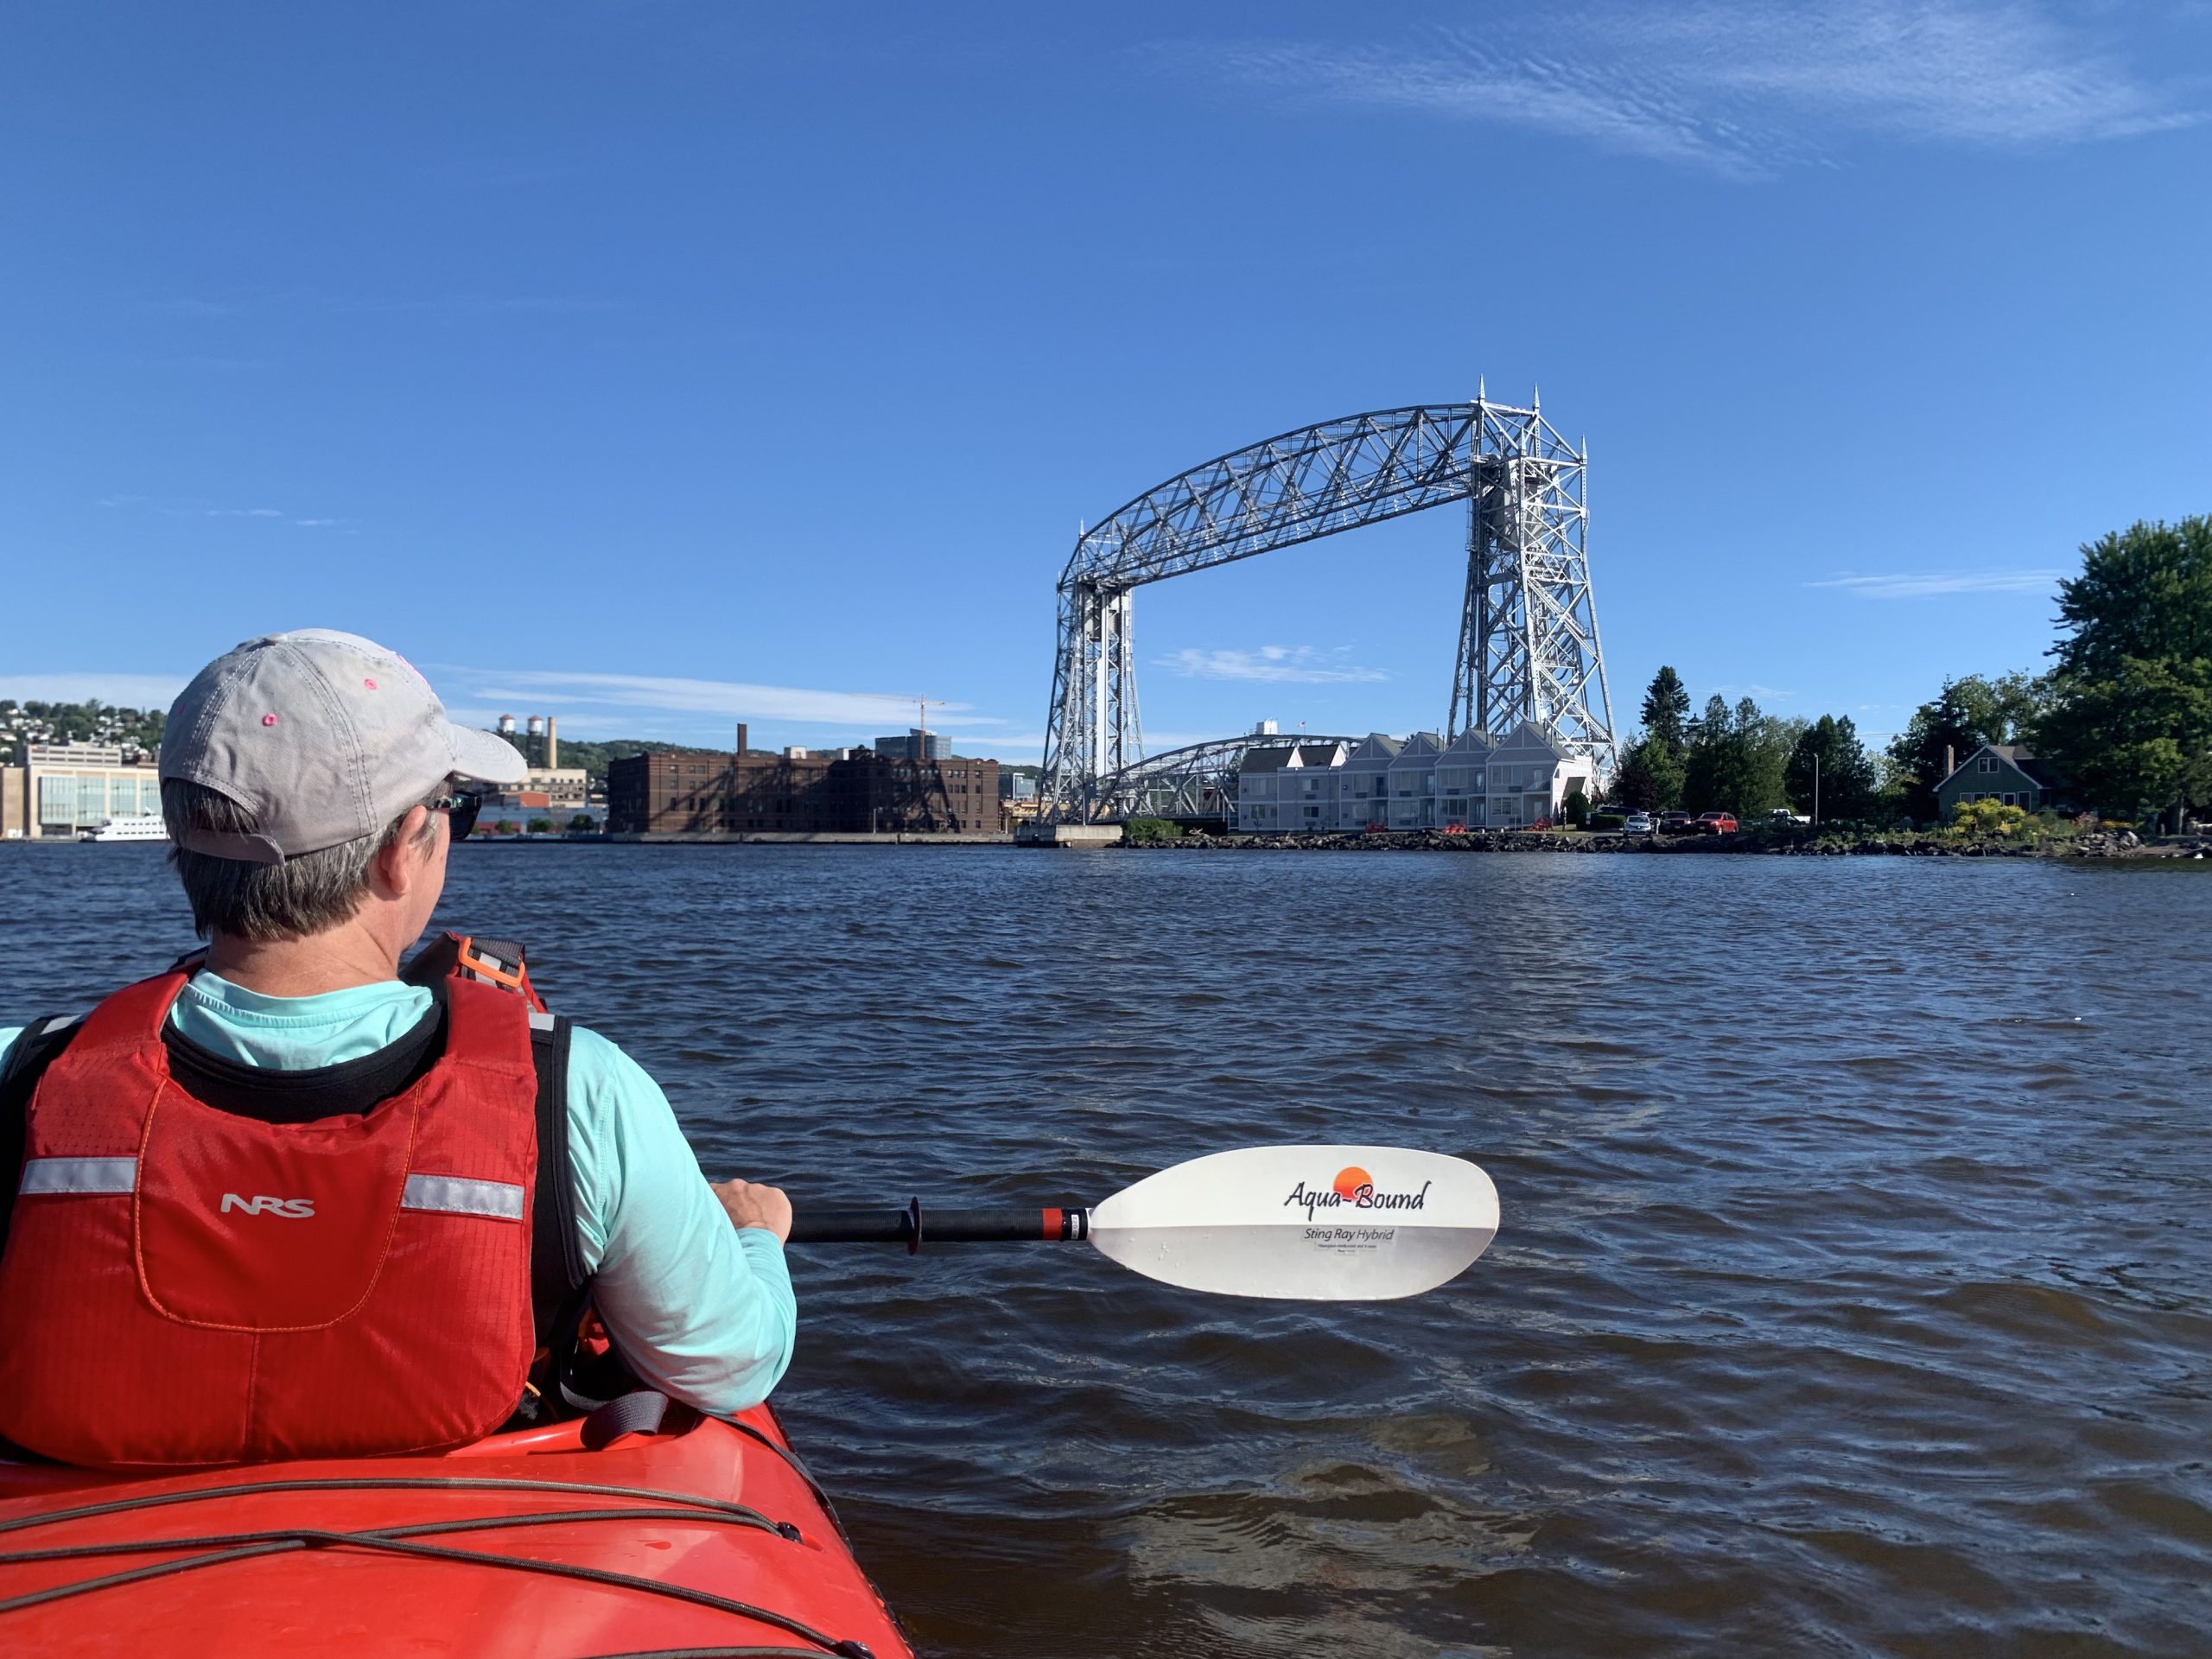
684 1542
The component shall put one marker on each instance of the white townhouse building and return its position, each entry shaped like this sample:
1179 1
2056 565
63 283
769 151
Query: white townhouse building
1364 787
1290 787
1461 773
1413 782
1476 782
1529 778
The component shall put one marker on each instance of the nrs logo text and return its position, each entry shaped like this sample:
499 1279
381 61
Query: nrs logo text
292 1209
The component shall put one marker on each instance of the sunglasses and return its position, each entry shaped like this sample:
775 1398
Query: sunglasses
463 806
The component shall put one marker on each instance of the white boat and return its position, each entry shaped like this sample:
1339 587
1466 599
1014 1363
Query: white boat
144 826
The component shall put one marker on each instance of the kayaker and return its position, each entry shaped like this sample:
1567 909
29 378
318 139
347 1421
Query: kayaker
270 1205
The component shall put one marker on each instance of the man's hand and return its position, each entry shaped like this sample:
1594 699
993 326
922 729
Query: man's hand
752 1204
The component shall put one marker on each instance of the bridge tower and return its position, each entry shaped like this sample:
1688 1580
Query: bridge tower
1528 628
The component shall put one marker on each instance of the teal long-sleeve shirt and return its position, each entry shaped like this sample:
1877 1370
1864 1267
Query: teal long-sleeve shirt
701 1310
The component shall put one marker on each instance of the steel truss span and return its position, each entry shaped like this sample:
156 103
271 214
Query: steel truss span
1196 781
1528 630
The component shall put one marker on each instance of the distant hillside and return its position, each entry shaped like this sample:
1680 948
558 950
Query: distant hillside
138 729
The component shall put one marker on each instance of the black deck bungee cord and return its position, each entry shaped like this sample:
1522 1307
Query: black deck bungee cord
384 1483
284 1541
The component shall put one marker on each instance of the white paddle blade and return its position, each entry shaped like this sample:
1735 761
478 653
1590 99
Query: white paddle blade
1308 1223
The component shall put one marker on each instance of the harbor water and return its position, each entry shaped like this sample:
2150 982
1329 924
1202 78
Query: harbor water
1851 1292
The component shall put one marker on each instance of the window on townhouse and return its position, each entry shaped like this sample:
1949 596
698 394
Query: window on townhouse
1987 763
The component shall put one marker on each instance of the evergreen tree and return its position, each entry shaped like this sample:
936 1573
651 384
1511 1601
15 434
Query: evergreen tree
1736 759
1848 783
1650 778
2130 723
1966 714
1667 710
1949 729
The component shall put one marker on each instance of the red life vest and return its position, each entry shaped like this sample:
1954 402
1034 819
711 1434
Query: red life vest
185 1286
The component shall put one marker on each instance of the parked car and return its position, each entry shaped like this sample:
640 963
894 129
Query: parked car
1677 823
1783 815
1637 823
1717 824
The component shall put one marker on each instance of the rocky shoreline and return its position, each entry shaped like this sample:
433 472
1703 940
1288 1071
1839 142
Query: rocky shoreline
1773 843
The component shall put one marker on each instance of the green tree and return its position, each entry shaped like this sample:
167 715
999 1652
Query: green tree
1846 772
1737 759
2130 721
1965 715
1650 776
1667 710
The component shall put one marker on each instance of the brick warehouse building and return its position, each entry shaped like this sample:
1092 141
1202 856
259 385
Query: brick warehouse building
848 791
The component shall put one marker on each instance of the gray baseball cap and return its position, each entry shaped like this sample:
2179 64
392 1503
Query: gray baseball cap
325 737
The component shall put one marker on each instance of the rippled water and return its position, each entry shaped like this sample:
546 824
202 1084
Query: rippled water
1851 1292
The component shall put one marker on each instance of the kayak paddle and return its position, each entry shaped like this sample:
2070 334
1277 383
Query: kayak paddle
1308 1223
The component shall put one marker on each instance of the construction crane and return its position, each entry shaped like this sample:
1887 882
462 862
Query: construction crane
922 707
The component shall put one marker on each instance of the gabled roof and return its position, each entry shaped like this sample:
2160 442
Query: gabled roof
1378 747
1472 743
1268 759
1530 735
2018 756
1421 746
1316 755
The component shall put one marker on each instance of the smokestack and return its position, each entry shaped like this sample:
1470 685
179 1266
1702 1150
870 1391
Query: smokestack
741 737
552 742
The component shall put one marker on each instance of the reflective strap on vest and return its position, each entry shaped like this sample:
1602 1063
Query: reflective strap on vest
450 1194
79 1175
458 1195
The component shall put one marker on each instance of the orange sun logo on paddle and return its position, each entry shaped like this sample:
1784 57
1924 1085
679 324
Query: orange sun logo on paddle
1349 1181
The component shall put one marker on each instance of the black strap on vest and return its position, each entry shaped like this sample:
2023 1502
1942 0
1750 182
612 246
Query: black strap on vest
38 1047
556 1263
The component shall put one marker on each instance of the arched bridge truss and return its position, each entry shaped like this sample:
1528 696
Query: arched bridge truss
1528 632
1196 781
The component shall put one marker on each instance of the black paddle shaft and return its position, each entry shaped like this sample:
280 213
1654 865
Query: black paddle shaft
912 1227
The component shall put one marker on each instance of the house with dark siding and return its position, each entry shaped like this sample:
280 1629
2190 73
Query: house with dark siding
2009 772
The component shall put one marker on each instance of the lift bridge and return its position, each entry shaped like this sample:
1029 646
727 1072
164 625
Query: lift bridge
1528 629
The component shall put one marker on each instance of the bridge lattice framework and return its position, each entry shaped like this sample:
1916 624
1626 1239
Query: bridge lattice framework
1528 645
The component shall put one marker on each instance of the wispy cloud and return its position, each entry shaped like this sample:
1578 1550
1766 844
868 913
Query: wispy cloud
1281 665
196 510
1930 585
1741 87
733 699
124 691
1757 692
423 305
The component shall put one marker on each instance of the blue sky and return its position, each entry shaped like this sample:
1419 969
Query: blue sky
658 366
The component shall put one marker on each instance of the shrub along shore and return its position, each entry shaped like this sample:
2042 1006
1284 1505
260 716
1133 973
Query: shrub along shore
1799 841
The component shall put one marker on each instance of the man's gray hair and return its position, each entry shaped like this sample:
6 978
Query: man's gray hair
308 895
